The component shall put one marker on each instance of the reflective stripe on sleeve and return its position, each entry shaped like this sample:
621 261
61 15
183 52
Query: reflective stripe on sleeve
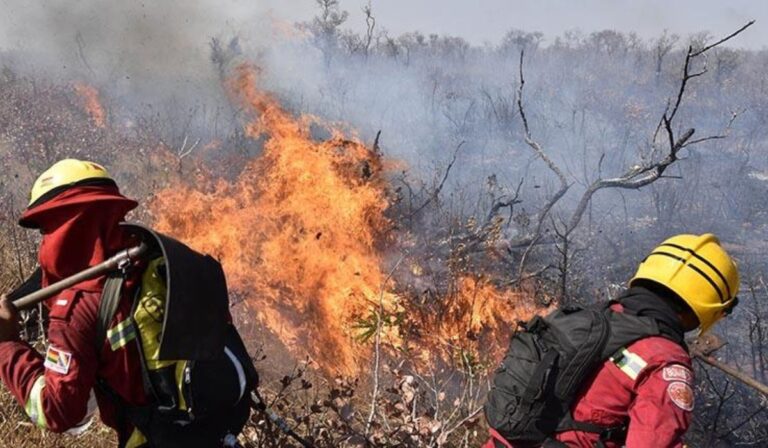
34 406
629 363
121 334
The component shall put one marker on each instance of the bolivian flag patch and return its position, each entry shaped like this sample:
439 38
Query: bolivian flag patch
57 360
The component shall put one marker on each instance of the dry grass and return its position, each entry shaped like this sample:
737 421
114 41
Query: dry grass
17 431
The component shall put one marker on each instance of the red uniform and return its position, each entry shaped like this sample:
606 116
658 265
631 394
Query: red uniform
56 388
650 387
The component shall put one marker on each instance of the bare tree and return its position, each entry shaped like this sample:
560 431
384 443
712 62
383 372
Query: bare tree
661 48
370 22
651 166
325 27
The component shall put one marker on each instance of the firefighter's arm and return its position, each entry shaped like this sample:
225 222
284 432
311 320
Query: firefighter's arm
661 412
55 388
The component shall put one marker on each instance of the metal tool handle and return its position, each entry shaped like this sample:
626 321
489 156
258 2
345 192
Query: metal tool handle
116 261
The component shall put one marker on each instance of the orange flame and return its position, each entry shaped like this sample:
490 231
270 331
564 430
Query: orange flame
92 104
478 319
296 232
300 234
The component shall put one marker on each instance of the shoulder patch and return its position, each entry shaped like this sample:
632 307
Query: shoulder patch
681 395
57 360
677 372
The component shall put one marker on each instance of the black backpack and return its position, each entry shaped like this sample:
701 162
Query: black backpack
548 360
201 376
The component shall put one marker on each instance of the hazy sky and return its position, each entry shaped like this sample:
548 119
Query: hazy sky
174 25
487 20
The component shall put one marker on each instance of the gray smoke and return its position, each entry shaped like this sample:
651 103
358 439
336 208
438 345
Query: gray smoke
138 50
593 99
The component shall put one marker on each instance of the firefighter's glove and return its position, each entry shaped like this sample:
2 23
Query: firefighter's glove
9 320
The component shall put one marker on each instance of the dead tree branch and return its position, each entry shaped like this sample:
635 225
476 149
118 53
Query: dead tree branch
651 170
444 435
726 38
370 23
185 150
500 203
532 239
529 139
376 148
440 186
377 346
81 53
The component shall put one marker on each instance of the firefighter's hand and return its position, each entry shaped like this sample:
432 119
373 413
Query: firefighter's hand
9 320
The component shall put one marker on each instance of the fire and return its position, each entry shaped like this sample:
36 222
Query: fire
297 231
92 104
475 321
302 233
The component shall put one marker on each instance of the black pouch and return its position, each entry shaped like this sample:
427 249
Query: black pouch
218 402
221 383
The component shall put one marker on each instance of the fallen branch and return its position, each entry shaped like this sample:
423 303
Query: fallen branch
702 349
735 373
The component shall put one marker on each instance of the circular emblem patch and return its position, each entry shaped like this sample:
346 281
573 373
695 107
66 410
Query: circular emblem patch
681 394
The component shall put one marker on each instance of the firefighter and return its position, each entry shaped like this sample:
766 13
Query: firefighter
77 207
645 392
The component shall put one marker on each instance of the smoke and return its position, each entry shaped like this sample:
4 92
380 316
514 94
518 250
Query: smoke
592 100
141 51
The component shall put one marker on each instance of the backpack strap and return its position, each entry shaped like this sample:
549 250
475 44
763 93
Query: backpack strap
110 299
616 433
137 416
33 283
585 358
108 303
574 373
128 417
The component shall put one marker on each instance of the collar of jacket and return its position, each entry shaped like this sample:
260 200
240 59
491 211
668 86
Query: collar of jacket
642 302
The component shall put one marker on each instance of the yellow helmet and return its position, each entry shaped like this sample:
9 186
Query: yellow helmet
699 271
64 175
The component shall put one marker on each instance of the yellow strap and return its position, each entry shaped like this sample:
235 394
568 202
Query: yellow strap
137 440
181 367
629 363
34 406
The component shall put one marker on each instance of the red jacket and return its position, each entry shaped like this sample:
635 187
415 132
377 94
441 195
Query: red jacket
652 391
80 229
55 388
